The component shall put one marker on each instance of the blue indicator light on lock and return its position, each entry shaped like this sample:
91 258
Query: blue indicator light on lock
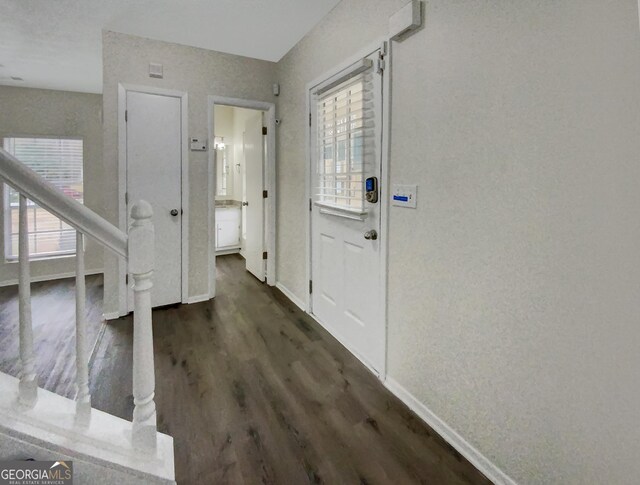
401 198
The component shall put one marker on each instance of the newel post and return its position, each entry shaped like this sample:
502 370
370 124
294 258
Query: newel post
141 259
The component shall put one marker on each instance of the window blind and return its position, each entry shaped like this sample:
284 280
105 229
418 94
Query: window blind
60 162
345 142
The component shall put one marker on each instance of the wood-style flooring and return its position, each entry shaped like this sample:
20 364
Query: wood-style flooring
252 389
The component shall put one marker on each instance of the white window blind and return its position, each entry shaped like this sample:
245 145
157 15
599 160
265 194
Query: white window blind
60 162
345 142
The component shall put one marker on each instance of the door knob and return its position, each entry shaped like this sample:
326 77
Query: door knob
244 204
174 212
371 235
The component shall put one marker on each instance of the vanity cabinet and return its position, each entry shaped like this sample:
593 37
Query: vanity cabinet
228 223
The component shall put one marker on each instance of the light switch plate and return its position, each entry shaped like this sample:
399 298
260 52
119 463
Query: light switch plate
404 196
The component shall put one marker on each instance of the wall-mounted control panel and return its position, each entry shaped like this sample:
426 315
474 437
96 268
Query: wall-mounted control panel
198 145
404 196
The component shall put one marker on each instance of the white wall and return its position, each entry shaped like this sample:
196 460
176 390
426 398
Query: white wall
200 73
520 122
25 111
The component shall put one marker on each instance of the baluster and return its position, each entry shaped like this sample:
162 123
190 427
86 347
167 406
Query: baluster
141 260
28 388
83 398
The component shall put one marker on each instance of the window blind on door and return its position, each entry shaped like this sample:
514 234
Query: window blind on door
345 141
60 162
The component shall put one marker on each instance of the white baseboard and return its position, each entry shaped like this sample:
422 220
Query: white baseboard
197 299
297 301
477 459
53 277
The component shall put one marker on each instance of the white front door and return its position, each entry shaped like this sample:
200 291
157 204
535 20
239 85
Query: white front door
346 286
154 174
254 184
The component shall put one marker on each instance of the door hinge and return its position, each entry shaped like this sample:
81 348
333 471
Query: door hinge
126 279
264 255
126 115
310 204
265 194
381 65
309 119
126 198
310 286
264 130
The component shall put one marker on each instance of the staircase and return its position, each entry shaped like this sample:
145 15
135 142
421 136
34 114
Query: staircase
42 425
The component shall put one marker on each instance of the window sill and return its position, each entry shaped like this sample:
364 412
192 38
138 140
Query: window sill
332 210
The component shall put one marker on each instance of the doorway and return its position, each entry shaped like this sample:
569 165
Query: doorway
243 214
153 145
347 206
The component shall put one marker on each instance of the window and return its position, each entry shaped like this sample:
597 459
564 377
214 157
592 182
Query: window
344 117
59 161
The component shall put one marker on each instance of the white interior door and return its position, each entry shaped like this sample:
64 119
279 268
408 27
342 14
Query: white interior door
345 256
154 174
254 184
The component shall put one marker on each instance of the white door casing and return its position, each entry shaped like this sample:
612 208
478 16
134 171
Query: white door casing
254 185
347 269
154 174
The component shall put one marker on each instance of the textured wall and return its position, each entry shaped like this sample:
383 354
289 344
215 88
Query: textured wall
200 73
520 122
26 111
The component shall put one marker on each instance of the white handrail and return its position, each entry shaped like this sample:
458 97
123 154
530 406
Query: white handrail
78 216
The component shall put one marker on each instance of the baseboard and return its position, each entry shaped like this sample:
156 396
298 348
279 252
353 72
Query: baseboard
58 276
294 299
197 299
477 459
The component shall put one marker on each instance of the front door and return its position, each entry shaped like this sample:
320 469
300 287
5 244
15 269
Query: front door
253 198
154 174
346 286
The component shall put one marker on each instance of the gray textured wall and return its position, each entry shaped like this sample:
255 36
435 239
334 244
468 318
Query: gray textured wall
25 111
514 288
200 73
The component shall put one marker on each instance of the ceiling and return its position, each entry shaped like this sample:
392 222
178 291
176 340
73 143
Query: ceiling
57 44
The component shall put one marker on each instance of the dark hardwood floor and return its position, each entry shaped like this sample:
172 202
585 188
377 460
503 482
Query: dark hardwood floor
251 388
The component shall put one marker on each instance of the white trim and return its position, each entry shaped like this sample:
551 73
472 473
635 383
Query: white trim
270 182
197 299
353 70
289 294
123 88
477 459
383 44
53 277
111 316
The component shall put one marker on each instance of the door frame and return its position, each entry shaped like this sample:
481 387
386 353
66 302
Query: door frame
123 89
383 44
269 182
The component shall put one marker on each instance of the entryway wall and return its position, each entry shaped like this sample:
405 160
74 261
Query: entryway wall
513 287
199 73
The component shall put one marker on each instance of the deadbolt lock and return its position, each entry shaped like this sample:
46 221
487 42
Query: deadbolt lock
174 212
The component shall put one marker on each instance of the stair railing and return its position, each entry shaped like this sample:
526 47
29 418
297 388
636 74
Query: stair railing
136 248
